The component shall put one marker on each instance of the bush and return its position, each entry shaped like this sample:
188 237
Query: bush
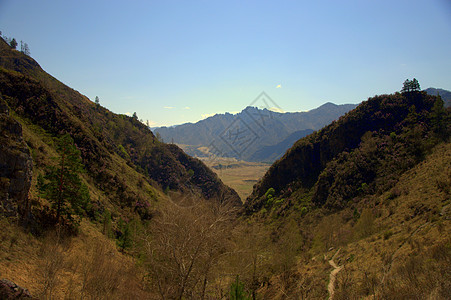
387 234
269 196
237 290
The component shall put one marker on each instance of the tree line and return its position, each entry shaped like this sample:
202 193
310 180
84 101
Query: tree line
12 42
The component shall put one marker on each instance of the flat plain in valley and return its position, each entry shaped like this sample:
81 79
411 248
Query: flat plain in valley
239 175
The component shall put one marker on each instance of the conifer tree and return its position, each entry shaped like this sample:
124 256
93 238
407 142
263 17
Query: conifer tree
438 116
62 185
13 43
406 86
411 86
415 85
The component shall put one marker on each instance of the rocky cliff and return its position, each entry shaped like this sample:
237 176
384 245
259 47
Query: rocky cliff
15 166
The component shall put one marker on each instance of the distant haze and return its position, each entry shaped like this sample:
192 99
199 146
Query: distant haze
253 134
174 62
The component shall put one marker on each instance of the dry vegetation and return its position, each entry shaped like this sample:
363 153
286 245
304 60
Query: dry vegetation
387 239
191 249
395 246
58 267
239 175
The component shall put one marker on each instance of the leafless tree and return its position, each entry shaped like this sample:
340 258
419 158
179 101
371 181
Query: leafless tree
183 245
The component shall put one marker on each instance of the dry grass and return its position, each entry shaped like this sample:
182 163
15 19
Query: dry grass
54 267
398 248
239 175
18 255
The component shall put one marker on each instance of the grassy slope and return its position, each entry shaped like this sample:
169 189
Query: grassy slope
381 197
89 263
400 250
124 165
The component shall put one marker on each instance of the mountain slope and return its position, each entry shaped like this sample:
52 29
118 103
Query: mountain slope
369 199
394 245
446 95
274 152
260 127
348 157
123 160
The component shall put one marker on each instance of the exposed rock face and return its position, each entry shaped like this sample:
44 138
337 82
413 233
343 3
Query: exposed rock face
10 290
15 166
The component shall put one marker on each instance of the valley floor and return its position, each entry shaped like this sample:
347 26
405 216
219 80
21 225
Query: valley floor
239 175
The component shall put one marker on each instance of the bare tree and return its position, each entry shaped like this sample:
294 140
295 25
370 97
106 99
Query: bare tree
24 48
186 242
251 256
51 263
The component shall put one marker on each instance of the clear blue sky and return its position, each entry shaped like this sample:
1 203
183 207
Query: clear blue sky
175 61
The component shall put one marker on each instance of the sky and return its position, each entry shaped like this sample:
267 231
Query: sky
174 62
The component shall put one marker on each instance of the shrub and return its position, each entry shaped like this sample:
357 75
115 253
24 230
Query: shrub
387 234
237 290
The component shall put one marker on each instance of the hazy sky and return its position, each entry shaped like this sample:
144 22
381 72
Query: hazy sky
177 61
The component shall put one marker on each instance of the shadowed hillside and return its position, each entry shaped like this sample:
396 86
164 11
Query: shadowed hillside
369 197
388 127
43 103
88 242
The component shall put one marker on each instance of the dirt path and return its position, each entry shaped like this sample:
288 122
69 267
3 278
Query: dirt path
333 275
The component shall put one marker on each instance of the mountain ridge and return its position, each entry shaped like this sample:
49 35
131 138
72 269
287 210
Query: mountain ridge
47 108
262 126
445 94
370 193
303 163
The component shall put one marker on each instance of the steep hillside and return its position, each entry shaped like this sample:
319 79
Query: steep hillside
274 152
367 199
15 166
364 151
123 160
394 245
257 129
126 178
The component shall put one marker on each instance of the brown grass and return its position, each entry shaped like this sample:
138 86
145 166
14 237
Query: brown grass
53 267
239 175
398 247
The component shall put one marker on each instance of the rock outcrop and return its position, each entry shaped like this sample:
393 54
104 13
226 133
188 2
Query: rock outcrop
15 166
10 290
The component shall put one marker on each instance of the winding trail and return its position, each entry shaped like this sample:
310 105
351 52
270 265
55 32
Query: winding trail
333 275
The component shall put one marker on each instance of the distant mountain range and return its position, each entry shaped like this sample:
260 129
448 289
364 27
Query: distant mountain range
122 158
371 145
253 134
446 95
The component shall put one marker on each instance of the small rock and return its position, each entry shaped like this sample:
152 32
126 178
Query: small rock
10 290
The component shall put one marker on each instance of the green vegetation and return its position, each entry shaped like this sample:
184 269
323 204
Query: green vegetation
367 197
13 43
237 290
62 185
411 86
361 154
